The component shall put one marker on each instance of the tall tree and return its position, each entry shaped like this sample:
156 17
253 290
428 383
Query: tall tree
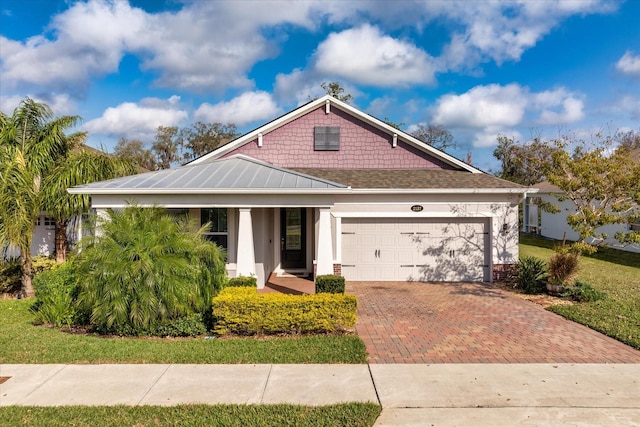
133 149
81 166
167 146
32 140
336 90
629 140
523 163
201 138
603 188
436 136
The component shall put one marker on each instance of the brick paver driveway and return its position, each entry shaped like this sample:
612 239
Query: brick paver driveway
471 323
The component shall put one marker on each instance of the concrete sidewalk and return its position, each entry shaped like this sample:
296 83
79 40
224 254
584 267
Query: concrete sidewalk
440 394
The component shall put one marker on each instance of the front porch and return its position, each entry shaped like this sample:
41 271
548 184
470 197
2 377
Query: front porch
277 244
289 284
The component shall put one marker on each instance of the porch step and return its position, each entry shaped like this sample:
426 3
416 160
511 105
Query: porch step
289 285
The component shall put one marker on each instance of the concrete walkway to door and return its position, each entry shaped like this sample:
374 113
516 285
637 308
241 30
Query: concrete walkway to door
414 322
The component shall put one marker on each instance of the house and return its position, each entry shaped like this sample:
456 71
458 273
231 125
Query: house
43 239
329 189
555 226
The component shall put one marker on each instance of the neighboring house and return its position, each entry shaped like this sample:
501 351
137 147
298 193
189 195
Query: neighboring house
329 189
43 240
554 226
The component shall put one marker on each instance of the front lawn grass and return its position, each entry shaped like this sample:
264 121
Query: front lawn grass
22 342
348 414
615 272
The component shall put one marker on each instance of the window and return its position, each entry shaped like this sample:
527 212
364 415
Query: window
177 213
218 231
326 138
48 221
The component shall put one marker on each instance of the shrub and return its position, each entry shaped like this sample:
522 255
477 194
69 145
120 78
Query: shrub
244 311
189 326
56 291
563 266
40 263
147 269
10 276
584 292
330 283
531 275
243 281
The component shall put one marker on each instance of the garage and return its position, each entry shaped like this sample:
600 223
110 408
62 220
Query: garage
415 249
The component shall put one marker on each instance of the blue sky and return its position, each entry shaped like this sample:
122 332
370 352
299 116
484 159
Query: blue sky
480 69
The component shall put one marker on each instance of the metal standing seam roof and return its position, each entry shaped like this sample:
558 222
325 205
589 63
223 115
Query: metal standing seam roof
234 174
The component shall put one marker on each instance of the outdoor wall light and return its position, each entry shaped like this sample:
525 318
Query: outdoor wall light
505 228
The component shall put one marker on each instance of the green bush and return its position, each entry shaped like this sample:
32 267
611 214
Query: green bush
40 263
244 311
584 292
531 275
330 283
243 281
147 269
10 276
56 292
189 326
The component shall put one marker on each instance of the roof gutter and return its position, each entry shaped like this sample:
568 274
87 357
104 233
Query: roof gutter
347 190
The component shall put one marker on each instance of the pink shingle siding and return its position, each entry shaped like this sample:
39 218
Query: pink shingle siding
361 146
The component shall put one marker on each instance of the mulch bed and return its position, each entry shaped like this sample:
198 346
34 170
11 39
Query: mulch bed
543 300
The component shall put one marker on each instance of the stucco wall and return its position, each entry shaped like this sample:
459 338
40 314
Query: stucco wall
361 146
554 226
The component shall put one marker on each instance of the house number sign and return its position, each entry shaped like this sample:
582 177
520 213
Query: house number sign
417 208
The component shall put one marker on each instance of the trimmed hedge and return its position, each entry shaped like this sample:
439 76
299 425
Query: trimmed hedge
243 311
243 281
330 283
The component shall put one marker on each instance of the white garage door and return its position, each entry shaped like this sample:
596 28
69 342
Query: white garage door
415 249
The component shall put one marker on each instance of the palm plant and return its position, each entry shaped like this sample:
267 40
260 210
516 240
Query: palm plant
31 141
145 268
81 166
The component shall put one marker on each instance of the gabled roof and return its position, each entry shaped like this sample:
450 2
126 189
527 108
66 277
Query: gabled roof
334 103
236 174
547 187
414 179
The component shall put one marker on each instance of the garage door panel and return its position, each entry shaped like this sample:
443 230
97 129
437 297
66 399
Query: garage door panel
416 249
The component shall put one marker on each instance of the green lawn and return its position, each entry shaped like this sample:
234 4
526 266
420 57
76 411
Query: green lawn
22 342
615 272
348 414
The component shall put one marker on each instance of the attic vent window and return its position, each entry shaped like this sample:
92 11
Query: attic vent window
326 138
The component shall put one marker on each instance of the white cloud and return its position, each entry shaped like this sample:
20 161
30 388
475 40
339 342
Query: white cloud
365 55
503 31
138 120
60 103
482 106
211 46
90 39
630 105
194 48
488 137
300 85
558 107
246 108
494 109
629 64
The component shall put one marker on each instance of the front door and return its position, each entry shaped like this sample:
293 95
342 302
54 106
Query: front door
293 238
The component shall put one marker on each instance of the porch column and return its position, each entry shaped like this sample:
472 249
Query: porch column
246 259
324 259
